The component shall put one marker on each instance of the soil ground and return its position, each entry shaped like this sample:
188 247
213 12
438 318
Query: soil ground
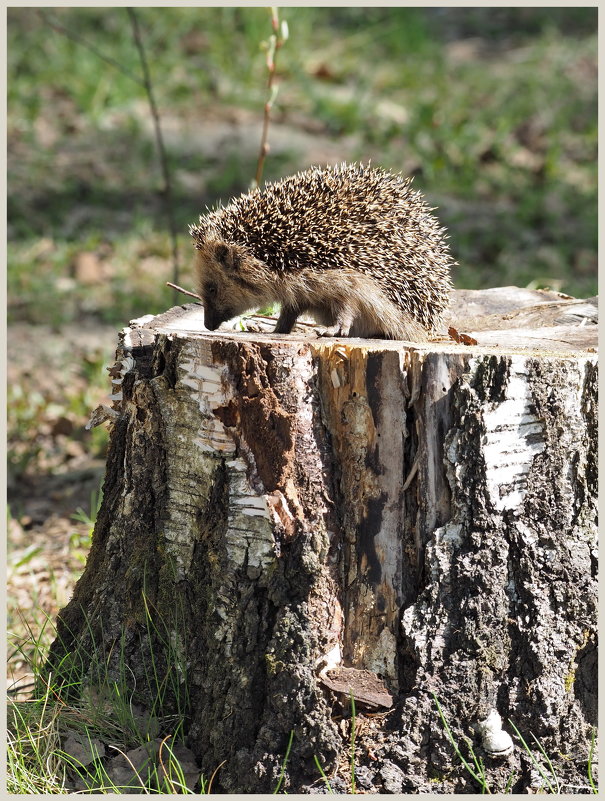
47 546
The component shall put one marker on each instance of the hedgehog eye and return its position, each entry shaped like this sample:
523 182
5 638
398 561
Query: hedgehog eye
210 291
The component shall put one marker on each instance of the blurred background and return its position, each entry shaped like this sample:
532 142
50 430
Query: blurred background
493 110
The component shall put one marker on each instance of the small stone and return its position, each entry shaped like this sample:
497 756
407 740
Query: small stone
82 749
392 777
132 772
364 778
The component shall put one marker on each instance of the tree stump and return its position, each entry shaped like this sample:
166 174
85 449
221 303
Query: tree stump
292 521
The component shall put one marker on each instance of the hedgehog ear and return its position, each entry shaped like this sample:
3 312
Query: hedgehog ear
228 257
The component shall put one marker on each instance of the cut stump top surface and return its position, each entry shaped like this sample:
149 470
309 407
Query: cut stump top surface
509 319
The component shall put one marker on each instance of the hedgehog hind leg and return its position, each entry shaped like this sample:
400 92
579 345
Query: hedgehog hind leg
339 319
383 320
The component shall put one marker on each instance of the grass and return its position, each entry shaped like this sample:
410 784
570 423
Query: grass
589 768
322 773
38 728
106 722
551 781
548 775
284 764
38 765
32 629
318 765
477 772
104 717
500 132
80 541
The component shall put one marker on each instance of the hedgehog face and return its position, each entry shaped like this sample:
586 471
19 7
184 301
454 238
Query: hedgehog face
222 283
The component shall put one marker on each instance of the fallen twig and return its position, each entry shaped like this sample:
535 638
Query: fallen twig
184 291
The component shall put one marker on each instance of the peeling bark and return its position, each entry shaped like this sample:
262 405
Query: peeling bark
285 508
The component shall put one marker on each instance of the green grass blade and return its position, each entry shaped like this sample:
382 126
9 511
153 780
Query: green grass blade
322 774
535 762
590 757
284 763
476 776
549 763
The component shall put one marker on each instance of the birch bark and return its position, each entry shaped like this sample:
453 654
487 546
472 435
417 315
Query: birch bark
278 510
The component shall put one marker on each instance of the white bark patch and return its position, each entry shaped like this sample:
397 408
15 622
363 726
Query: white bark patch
139 322
208 383
278 506
380 658
192 321
513 437
249 535
441 552
125 364
330 660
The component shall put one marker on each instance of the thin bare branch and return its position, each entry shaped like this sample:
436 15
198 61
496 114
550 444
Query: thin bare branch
167 190
276 41
146 83
56 26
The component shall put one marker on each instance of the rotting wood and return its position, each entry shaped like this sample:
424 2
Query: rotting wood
291 506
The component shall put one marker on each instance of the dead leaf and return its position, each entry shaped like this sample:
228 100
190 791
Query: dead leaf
62 425
132 770
462 339
323 72
187 763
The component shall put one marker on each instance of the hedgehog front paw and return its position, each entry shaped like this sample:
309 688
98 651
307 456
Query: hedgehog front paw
286 320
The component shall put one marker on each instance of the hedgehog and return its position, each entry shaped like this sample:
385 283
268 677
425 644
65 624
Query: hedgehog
352 245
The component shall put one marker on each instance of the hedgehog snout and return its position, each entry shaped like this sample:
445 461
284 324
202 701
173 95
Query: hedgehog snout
213 318
210 321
